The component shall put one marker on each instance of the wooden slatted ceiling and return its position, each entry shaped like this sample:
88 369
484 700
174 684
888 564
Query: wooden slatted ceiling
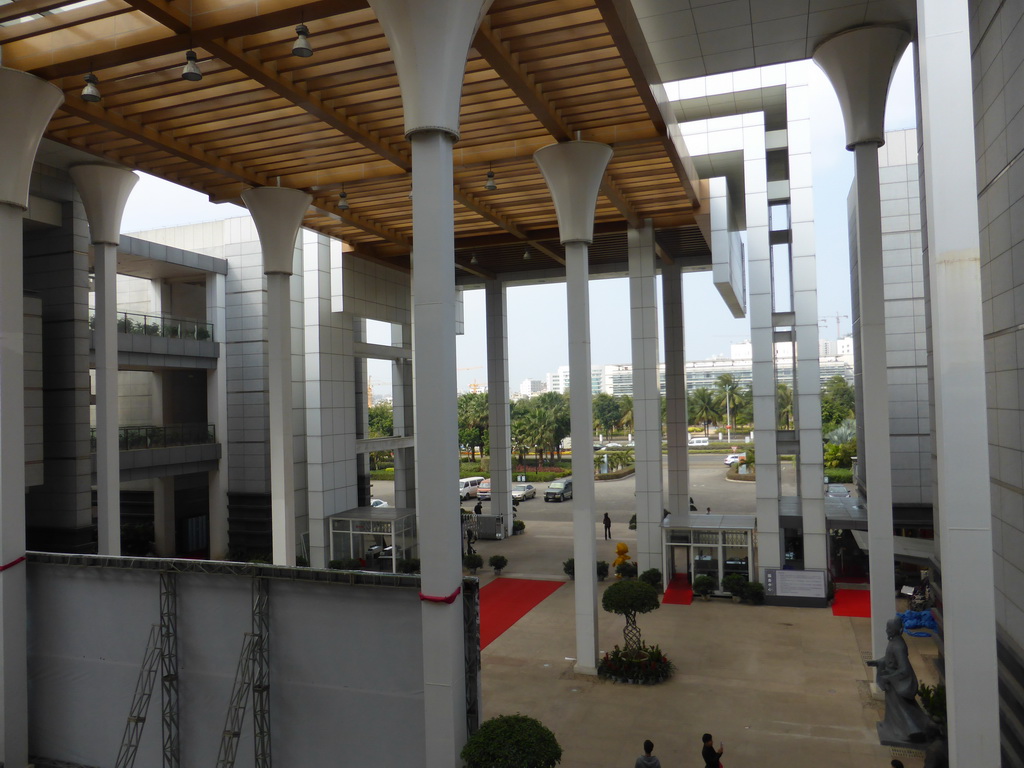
540 70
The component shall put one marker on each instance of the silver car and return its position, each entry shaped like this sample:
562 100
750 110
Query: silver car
523 491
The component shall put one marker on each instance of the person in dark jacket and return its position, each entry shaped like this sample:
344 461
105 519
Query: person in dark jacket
607 526
647 760
711 757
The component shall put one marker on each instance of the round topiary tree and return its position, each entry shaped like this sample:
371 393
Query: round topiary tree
512 741
628 598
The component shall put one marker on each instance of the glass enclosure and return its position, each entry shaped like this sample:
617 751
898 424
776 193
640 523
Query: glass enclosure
714 553
378 537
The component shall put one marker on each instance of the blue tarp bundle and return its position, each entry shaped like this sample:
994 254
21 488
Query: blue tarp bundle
915 619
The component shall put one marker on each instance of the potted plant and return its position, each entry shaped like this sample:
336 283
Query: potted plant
472 562
704 585
602 570
753 592
628 598
626 570
652 576
512 741
518 526
497 562
733 584
569 566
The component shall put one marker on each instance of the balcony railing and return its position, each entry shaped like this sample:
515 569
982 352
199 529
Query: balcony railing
158 325
169 435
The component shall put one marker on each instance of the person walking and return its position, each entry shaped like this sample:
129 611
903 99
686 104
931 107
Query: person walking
607 527
479 508
712 757
647 760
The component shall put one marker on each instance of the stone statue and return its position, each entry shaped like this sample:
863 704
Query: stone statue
904 721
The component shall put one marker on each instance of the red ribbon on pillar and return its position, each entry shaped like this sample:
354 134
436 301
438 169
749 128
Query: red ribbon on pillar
433 599
12 563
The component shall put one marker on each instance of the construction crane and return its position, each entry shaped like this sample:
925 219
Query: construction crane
837 317
140 700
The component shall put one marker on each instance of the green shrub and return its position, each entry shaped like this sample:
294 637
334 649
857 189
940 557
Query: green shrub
497 562
837 475
733 583
569 567
602 569
512 741
412 565
652 576
302 562
473 561
753 592
704 584
632 523
626 570
518 526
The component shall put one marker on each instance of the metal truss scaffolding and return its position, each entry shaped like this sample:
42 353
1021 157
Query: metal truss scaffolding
140 701
261 670
169 667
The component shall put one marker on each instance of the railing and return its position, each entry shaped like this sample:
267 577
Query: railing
142 438
158 325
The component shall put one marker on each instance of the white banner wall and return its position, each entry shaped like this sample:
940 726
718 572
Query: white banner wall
346 681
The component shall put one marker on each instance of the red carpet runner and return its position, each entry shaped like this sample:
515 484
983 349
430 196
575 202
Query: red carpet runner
679 591
852 602
503 602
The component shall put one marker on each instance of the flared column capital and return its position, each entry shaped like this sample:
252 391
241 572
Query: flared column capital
860 64
29 103
430 44
277 212
104 190
573 171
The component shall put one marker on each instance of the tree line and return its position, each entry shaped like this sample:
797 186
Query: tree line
541 423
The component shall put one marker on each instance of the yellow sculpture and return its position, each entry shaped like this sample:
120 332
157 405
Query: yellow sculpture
622 550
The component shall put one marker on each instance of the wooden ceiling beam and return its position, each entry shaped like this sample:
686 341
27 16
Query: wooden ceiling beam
471 203
58 21
23 8
614 195
233 54
497 54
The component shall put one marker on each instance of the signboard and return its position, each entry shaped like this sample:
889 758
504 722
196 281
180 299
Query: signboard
785 583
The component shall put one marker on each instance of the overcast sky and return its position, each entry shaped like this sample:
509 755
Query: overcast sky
536 314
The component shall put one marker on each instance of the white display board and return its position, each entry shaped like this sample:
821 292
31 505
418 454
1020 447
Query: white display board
346 678
800 584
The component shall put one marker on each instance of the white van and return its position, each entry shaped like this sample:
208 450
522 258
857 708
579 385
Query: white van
468 487
698 441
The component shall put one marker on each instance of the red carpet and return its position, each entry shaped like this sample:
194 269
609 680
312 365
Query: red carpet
679 591
852 602
503 602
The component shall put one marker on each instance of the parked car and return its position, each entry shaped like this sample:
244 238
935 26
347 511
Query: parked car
836 491
613 446
559 490
378 503
699 441
483 491
468 487
523 491
734 458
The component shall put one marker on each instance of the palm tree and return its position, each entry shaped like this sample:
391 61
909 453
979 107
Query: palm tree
784 405
625 423
728 391
703 408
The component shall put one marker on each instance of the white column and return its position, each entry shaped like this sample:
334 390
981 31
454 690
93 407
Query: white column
277 213
437 470
430 43
30 102
573 172
216 412
964 515
643 307
499 420
859 64
676 414
104 191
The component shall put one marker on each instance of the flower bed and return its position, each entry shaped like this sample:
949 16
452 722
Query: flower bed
650 667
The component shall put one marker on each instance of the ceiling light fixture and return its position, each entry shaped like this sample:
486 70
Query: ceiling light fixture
191 71
90 92
526 255
474 260
489 185
301 47
343 200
